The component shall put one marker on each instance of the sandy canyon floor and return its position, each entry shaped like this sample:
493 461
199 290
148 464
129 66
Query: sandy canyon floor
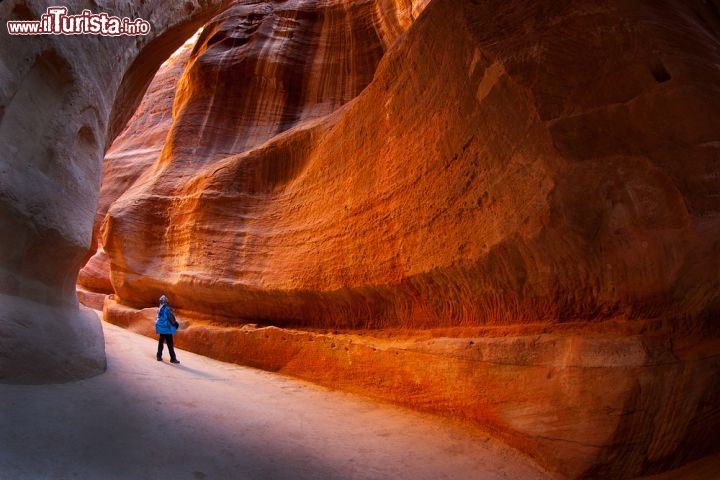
205 419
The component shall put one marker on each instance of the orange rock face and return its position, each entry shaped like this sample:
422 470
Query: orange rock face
534 173
134 151
545 172
277 82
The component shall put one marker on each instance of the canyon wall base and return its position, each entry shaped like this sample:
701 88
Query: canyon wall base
45 344
580 404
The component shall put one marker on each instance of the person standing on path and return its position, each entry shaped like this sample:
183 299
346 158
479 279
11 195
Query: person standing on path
166 326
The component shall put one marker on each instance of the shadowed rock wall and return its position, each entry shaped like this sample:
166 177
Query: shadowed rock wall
62 101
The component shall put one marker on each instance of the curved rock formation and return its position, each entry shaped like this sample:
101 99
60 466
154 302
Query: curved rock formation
260 72
521 168
530 174
62 101
133 152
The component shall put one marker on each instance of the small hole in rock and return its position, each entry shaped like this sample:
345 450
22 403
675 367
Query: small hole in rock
659 71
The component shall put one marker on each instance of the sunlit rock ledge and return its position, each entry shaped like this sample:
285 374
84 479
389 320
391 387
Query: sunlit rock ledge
610 400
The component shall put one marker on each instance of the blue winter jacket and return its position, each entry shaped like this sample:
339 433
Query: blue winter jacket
162 324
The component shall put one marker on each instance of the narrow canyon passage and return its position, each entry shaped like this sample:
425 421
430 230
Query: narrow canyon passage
206 419
500 212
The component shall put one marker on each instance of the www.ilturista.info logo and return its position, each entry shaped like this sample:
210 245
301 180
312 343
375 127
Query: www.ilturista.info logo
57 22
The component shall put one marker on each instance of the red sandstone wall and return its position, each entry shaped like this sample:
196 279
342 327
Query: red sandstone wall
502 163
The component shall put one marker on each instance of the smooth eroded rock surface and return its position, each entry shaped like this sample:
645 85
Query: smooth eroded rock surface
133 151
63 98
532 172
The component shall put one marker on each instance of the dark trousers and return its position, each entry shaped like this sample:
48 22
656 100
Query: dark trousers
166 337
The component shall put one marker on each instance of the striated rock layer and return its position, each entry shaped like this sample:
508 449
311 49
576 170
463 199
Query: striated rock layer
334 81
62 101
546 167
259 72
133 151
530 172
